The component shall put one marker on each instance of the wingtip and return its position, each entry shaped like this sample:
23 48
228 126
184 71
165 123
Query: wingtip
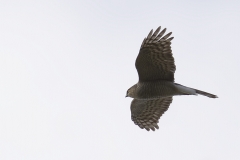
158 29
150 34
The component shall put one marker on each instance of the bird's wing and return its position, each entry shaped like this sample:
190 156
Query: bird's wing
155 60
146 113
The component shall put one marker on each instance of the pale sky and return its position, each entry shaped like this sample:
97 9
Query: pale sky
65 67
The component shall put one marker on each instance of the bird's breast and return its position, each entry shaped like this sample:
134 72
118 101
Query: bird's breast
156 89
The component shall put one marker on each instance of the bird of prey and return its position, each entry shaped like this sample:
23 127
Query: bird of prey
154 91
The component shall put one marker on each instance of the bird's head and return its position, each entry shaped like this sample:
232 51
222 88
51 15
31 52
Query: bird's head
131 91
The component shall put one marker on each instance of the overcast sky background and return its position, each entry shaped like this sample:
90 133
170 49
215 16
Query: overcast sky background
65 67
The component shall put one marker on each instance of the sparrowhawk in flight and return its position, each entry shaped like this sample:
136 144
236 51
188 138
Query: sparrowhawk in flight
154 91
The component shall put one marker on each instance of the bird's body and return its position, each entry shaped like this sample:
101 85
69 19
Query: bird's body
156 87
159 89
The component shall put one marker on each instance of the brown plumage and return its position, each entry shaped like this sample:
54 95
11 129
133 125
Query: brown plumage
155 60
146 113
153 93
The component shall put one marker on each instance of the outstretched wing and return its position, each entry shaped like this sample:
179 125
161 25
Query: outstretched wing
146 113
155 60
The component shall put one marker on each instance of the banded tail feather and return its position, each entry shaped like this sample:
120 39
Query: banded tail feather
191 91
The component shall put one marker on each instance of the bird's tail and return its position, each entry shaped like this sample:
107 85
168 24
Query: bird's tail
206 94
191 91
